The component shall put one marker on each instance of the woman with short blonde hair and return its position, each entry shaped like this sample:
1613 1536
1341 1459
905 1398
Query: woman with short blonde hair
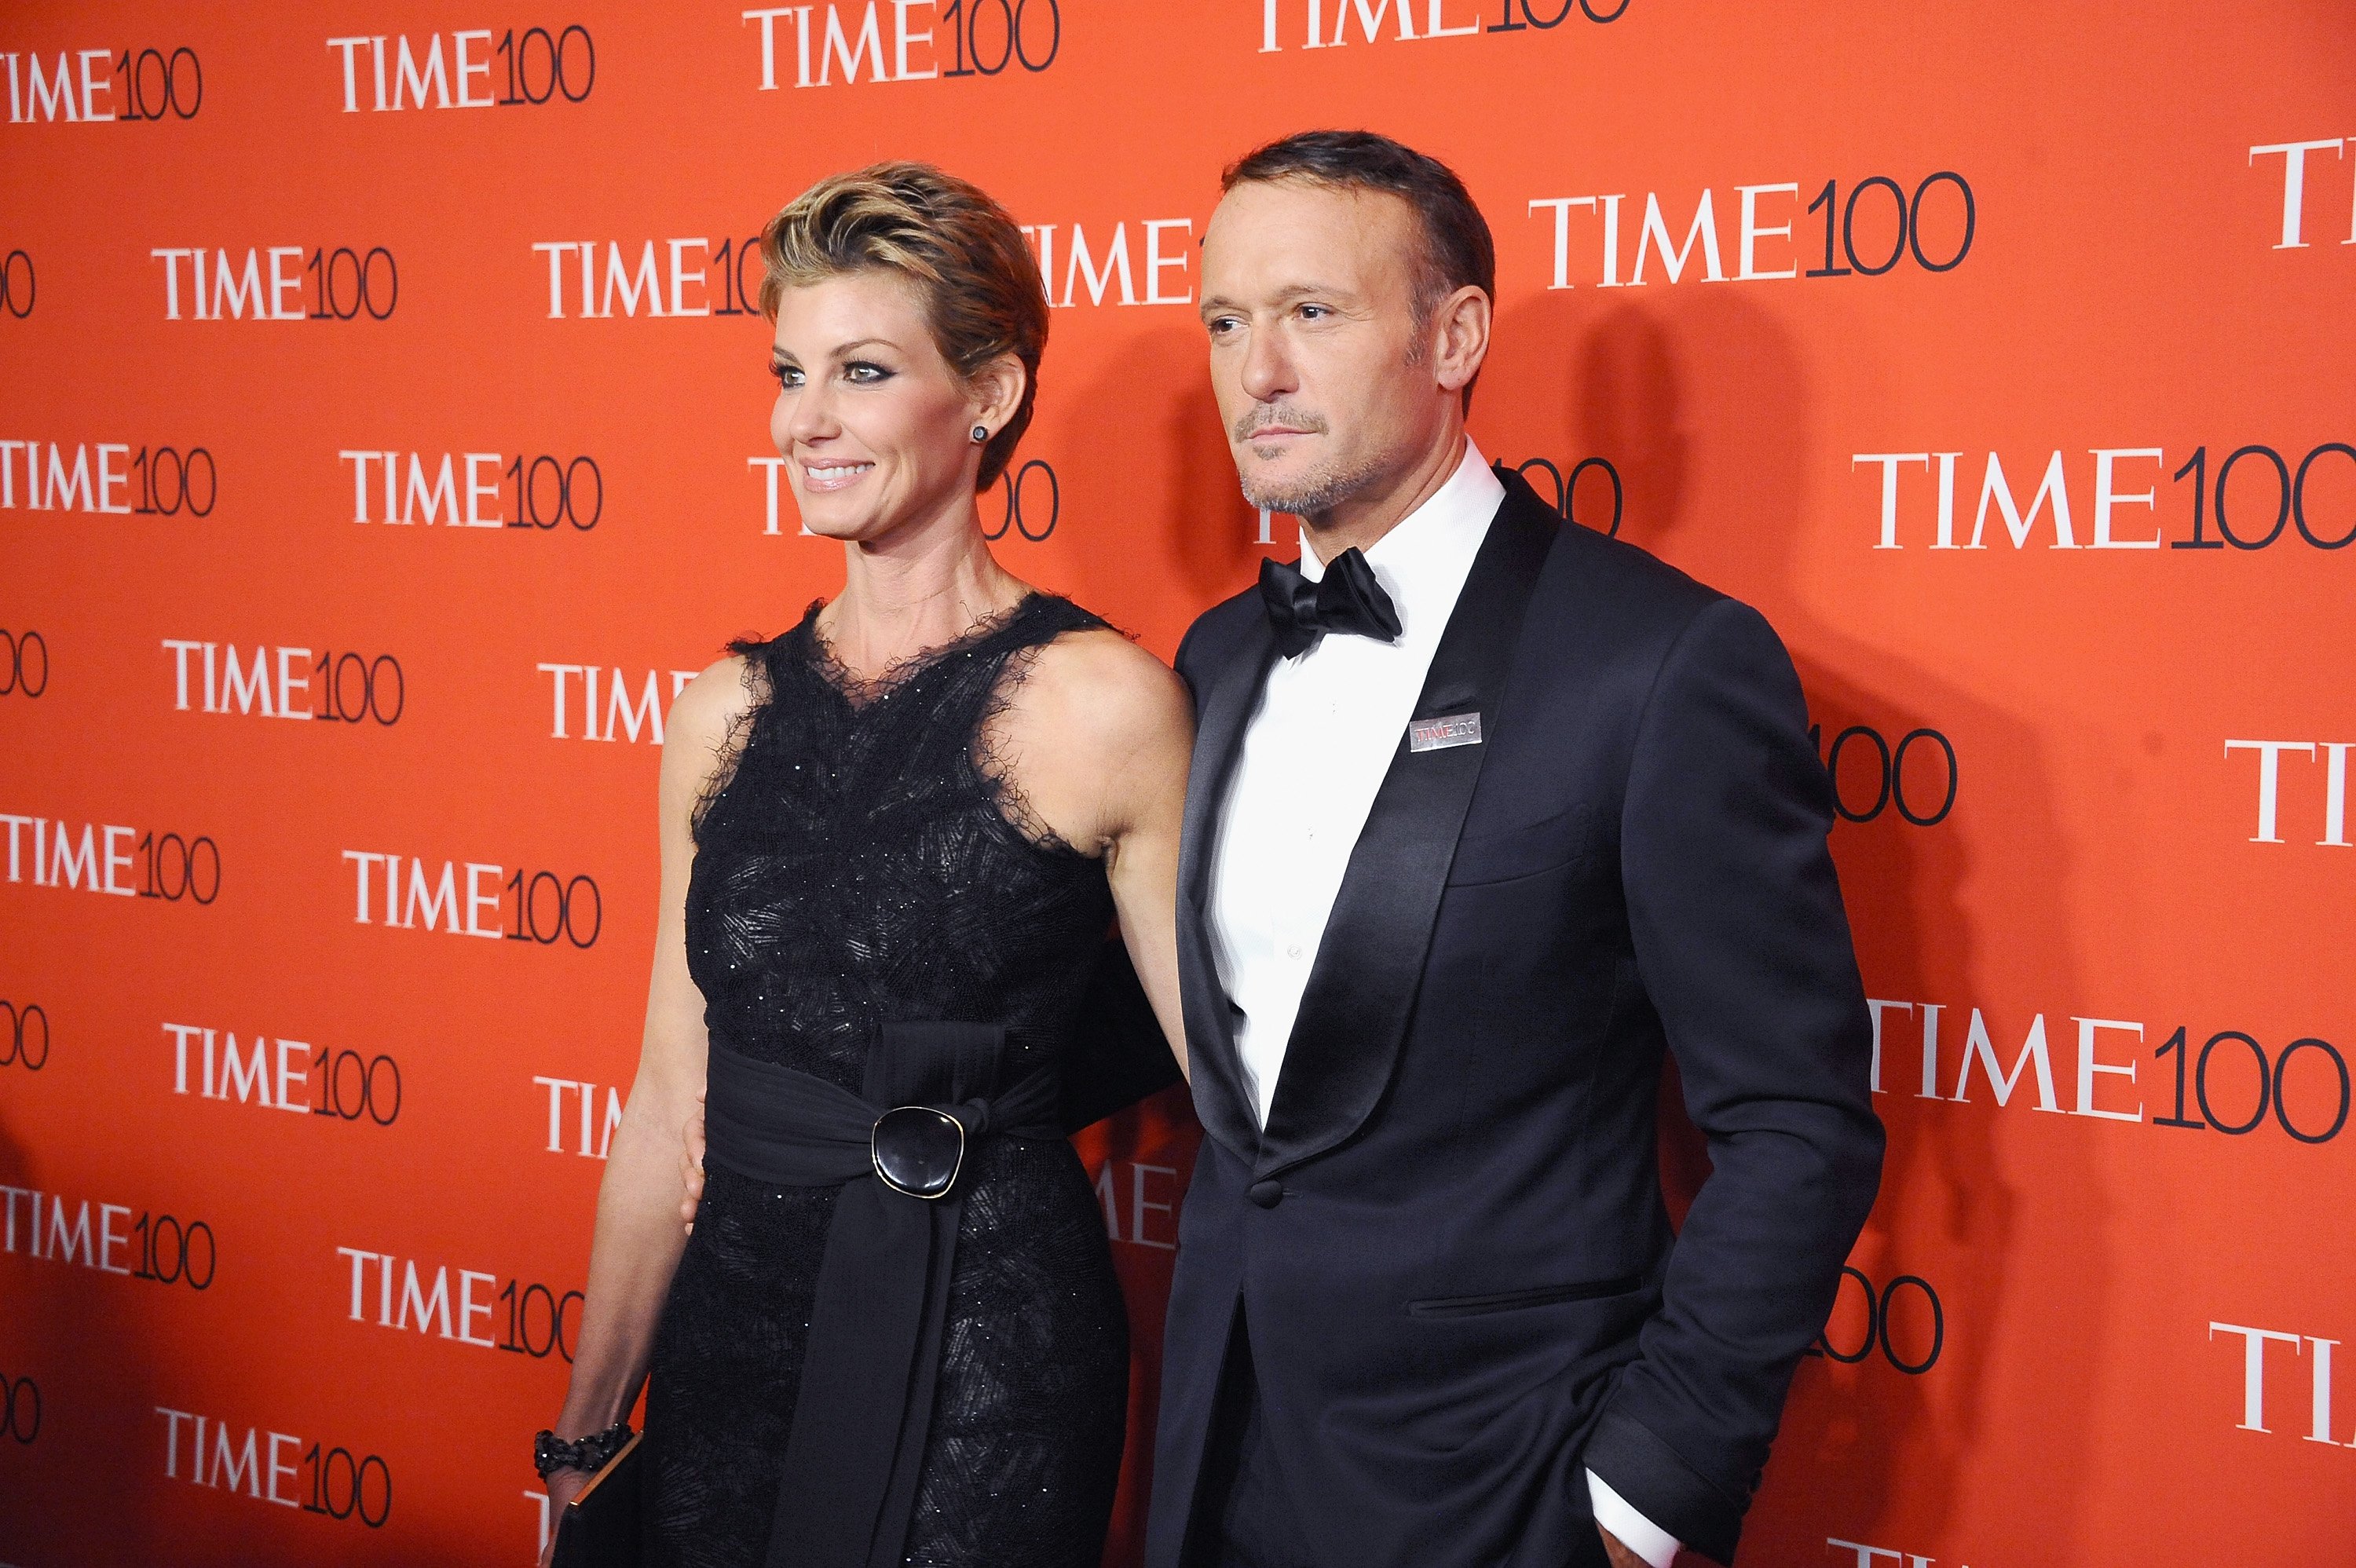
893 840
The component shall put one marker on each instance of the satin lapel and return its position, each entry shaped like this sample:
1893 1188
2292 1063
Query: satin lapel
1225 709
1354 1012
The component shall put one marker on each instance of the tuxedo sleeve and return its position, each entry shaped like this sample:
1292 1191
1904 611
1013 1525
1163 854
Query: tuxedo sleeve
1189 662
1744 953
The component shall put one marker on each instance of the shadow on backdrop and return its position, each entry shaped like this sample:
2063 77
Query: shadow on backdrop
1699 400
80 1336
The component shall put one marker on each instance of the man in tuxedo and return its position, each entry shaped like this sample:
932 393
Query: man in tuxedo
1487 813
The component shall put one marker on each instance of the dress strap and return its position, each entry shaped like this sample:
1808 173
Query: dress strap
1043 617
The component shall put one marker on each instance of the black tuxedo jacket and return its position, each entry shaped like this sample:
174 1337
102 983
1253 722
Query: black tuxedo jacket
1449 1247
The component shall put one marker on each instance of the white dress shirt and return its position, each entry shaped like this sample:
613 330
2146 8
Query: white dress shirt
1314 753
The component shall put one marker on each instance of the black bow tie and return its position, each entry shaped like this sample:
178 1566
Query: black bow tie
1348 600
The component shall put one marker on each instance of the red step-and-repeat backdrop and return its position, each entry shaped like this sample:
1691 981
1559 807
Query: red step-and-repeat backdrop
384 443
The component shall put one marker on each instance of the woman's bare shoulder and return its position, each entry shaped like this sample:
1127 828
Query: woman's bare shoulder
1099 684
704 717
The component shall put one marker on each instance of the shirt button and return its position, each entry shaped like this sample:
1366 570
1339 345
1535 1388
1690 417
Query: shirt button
1293 951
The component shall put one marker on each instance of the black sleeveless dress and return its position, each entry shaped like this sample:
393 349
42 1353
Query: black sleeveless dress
862 863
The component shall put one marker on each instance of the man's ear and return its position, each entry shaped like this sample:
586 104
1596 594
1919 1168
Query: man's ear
1460 337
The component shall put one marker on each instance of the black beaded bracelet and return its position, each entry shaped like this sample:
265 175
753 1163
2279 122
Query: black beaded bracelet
551 1453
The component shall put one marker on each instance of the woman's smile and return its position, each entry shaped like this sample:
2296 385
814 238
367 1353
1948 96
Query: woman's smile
822 475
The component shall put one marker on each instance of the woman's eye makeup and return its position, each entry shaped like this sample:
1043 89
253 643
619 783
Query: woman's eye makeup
859 372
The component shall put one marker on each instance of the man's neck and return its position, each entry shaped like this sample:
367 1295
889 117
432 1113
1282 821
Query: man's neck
1364 518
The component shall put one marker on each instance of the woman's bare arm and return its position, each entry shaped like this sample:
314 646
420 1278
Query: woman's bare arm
638 1243
1100 741
1145 803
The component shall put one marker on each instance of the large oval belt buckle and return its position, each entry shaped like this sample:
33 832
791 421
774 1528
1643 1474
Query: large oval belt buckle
918 1150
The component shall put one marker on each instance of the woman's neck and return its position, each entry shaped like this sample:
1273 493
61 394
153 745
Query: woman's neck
904 595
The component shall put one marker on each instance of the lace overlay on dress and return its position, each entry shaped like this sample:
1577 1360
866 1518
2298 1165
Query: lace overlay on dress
859 694
861 858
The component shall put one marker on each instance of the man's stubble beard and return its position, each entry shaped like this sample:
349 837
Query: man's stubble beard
1314 493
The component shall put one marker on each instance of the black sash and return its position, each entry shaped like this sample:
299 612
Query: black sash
874 1348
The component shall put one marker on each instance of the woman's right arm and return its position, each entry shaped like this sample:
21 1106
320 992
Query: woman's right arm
638 1241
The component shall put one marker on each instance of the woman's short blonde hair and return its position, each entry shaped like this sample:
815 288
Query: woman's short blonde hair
979 283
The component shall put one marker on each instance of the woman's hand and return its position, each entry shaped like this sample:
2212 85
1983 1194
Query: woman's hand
691 1165
564 1485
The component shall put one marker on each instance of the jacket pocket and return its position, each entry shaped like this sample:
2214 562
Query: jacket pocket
1509 1300
1516 852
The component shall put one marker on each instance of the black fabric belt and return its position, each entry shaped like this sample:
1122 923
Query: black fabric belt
874 1348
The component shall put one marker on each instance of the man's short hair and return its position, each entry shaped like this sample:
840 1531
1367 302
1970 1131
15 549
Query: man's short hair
1457 249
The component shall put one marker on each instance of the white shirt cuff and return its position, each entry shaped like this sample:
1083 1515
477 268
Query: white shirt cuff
1638 1534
